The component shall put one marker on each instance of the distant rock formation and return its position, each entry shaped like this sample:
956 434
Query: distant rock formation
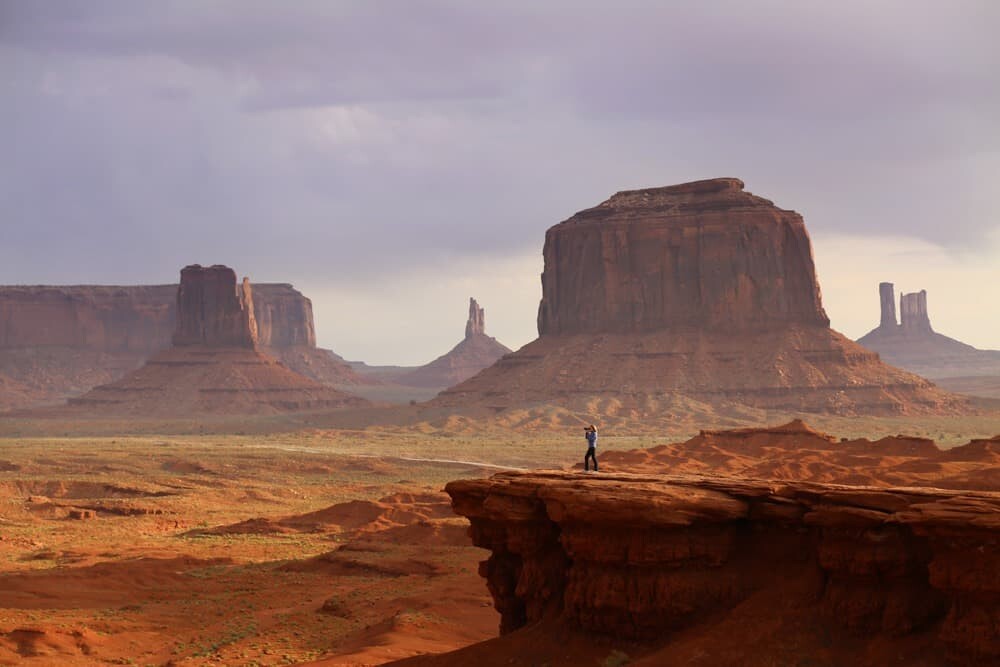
59 341
214 366
913 344
913 311
713 561
700 290
473 354
213 311
477 320
284 317
888 297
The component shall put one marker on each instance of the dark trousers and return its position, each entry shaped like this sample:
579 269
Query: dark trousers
590 456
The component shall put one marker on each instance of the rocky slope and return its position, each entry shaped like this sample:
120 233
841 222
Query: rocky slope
474 353
712 570
700 290
913 344
214 365
59 341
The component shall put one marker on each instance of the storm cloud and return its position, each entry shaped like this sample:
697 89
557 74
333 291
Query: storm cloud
354 147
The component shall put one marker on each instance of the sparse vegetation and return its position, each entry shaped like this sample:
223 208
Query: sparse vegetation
616 659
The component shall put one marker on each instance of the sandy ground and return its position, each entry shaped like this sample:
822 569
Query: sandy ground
210 550
312 542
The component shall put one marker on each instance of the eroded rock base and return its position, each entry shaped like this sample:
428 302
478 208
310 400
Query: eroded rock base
645 557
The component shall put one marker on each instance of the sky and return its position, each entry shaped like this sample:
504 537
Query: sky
392 158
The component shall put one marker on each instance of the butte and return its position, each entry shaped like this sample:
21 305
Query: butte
685 297
214 365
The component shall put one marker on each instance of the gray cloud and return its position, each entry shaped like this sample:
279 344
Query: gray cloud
347 141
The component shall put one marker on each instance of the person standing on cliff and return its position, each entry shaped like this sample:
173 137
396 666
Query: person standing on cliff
591 434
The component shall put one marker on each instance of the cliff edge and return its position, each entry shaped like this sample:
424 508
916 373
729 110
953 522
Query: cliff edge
757 571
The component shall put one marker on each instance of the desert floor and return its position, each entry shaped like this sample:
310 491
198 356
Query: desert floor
317 544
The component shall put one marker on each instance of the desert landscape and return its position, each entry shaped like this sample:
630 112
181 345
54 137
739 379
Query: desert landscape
671 446
214 505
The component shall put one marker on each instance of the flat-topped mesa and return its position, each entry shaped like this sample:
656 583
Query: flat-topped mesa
477 320
913 311
704 255
212 310
887 296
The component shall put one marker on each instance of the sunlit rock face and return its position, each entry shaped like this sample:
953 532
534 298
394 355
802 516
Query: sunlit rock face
646 556
705 255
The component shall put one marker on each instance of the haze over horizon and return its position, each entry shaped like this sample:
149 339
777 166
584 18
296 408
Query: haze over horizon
392 159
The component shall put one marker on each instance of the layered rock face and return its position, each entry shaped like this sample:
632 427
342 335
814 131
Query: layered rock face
107 319
887 295
284 317
58 341
215 365
701 291
851 573
703 255
913 344
476 352
913 311
212 310
137 318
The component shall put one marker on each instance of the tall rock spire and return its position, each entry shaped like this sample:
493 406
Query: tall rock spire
477 320
887 295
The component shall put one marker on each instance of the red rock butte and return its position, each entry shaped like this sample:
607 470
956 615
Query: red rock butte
695 292
215 365
212 310
704 255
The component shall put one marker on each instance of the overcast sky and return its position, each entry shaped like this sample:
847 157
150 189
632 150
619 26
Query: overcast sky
393 158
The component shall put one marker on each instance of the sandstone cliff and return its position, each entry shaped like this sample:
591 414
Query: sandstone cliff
108 319
476 352
705 255
913 344
215 365
702 291
710 570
